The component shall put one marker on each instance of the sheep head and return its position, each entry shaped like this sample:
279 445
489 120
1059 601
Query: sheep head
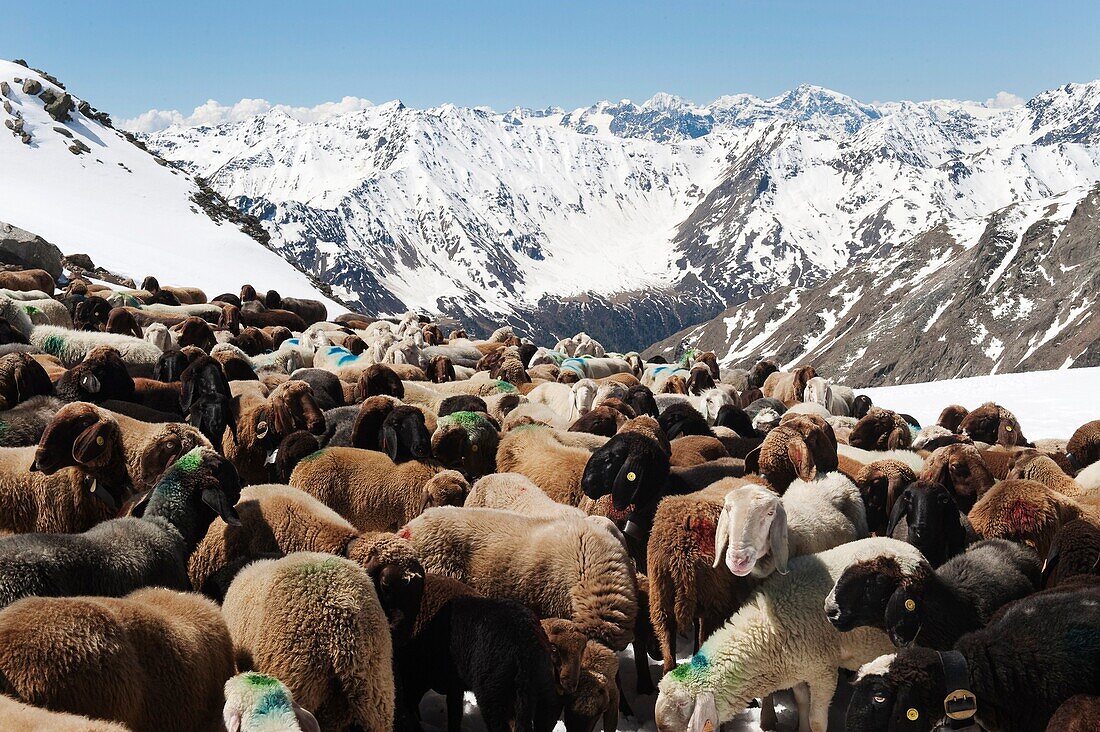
879 484
567 645
82 435
230 319
933 521
398 577
640 399
200 484
466 441
249 695
380 379
293 407
961 470
100 376
760 372
699 379
1084 445
680 418
993 424
952 416
632 467
881 429
584 393
894 691
601 420
674 384
446 488
441 370
864 588
751 536
21 377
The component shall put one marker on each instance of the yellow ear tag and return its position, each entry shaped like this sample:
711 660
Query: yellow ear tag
910 605
99 440
1008 428
631 476
473 448
912 714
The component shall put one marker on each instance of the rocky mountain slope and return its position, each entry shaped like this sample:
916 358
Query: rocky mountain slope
71 182
630 221
1016 290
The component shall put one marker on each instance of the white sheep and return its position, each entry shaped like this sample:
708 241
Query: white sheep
758 531
71 346
570 401
160 336
779 639
707 404
866 457
835 398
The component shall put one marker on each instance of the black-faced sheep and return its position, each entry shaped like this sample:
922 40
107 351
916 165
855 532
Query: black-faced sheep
118 556
907 690
926 515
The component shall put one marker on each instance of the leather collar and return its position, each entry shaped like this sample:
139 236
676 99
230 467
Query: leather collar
960 705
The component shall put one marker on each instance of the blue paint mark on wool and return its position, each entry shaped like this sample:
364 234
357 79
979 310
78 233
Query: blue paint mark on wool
699 662
345 358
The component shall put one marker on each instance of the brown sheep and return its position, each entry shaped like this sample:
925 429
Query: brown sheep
674 384
788 387
880 483
961 470
372 492
685 590
1033 465
951 417
601 420
314 622
230 319
263 422
27 280
567 644
1079 713
801 447
993 424
155 660
121 320
881 429
1083 448
441 370
597 694
1027 512
22 377
433 335
1075 552
536 452
194 331
695 450
278 519
699 379
759 373
253 341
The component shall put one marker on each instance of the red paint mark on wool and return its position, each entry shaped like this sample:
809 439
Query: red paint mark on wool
703 531
405 534
1024 516
619 516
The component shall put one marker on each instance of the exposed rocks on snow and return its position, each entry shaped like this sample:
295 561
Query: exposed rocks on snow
22 248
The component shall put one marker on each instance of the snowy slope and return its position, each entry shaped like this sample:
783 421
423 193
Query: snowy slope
629 220
1047 403
117 204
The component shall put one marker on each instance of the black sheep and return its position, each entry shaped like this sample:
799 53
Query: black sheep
494 648
403 435
935 609
1033 656
328 391
680 418
462 403
861 405
170 366
206 399
640 399
926 515
102 375
1074 551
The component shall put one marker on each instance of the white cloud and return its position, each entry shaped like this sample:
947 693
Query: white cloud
216 113
1004 100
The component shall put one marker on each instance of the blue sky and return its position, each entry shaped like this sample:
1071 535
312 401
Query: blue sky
128 57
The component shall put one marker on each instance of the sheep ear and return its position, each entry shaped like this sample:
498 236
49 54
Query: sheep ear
802 460
219 504
90 383
138 509
721 536
901 507
91 443
306 721
752 461
704 717
389 441
233 724
777 538
896 440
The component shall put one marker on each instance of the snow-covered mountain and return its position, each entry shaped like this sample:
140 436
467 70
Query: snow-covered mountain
69 177
629 220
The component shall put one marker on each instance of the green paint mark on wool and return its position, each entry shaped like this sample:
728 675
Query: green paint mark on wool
680 672
466 419
260 681
321 571
505 386
31 309
53 345
190 462
313 456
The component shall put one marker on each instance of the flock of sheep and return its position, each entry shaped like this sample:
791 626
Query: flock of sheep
237 514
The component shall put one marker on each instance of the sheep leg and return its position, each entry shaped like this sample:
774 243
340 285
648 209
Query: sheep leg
802 702
821 696
768 720
696 636
624 705
644 685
